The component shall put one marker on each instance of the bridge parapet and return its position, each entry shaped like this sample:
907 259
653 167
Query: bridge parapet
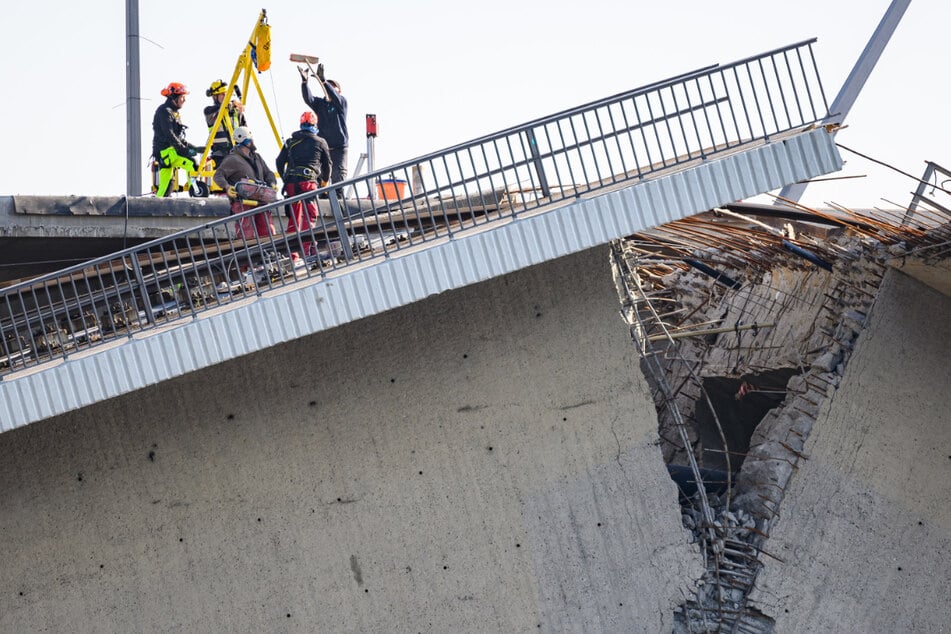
645 135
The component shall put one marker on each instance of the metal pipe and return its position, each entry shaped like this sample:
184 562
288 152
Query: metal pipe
809 256
722 278
711 331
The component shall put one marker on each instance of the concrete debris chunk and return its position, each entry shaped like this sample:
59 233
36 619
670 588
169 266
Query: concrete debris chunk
827 361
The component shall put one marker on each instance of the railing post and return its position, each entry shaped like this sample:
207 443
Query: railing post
416 185
537 160
143 292
341 228
922 185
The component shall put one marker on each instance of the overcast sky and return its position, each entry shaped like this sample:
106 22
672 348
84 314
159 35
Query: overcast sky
437 74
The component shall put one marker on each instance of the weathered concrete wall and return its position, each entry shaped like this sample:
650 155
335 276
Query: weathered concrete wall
937 275
485 460
104 217
865 527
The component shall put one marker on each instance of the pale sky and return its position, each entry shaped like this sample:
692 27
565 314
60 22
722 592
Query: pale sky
436 74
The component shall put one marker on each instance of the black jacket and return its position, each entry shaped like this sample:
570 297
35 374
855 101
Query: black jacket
222 144
331 114
168 130
236 166
304 157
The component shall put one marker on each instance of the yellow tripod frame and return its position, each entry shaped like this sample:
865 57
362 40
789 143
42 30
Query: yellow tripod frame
244 66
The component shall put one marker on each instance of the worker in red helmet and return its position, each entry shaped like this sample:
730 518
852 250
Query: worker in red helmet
304 165
169 146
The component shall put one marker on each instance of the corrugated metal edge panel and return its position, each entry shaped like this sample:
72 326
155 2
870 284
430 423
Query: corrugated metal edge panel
397 281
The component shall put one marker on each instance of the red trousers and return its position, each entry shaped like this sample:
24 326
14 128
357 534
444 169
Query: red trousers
303 213
253 226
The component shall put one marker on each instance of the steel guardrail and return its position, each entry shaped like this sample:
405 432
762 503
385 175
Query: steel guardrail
614 141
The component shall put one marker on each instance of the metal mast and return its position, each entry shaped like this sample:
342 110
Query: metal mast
856 80
133 100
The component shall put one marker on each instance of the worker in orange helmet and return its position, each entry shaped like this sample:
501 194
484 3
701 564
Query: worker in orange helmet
304 164
169 146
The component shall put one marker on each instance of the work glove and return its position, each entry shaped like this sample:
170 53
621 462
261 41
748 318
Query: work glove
232 192
303 73
320 72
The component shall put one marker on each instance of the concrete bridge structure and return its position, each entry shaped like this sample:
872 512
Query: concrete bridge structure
454 437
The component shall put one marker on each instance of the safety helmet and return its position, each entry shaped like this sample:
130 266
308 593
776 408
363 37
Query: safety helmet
174 88
242 134
308 118
218 87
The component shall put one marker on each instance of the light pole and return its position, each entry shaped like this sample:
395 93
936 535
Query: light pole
133 110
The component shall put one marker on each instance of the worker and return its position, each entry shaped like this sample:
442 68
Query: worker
243 163
304 165
331 111
232 119
169 147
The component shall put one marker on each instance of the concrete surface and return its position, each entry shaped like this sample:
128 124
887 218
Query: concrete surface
865 527
483 460
105 216
937 275
41 234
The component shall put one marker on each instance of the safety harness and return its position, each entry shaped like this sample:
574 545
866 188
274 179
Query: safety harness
294 172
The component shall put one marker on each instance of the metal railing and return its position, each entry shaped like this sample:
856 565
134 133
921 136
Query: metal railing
923 204
609 143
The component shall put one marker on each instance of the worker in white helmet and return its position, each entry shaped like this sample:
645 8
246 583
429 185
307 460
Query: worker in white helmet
243 163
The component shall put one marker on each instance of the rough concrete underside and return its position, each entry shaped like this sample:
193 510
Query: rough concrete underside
865 527
485 460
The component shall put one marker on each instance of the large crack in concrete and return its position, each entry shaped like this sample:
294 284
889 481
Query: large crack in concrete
743 345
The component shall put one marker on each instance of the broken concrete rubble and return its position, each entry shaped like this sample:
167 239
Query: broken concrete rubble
772 309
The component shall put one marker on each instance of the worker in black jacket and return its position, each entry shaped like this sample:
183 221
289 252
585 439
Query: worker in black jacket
169 147
304 164
331 109
231 120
